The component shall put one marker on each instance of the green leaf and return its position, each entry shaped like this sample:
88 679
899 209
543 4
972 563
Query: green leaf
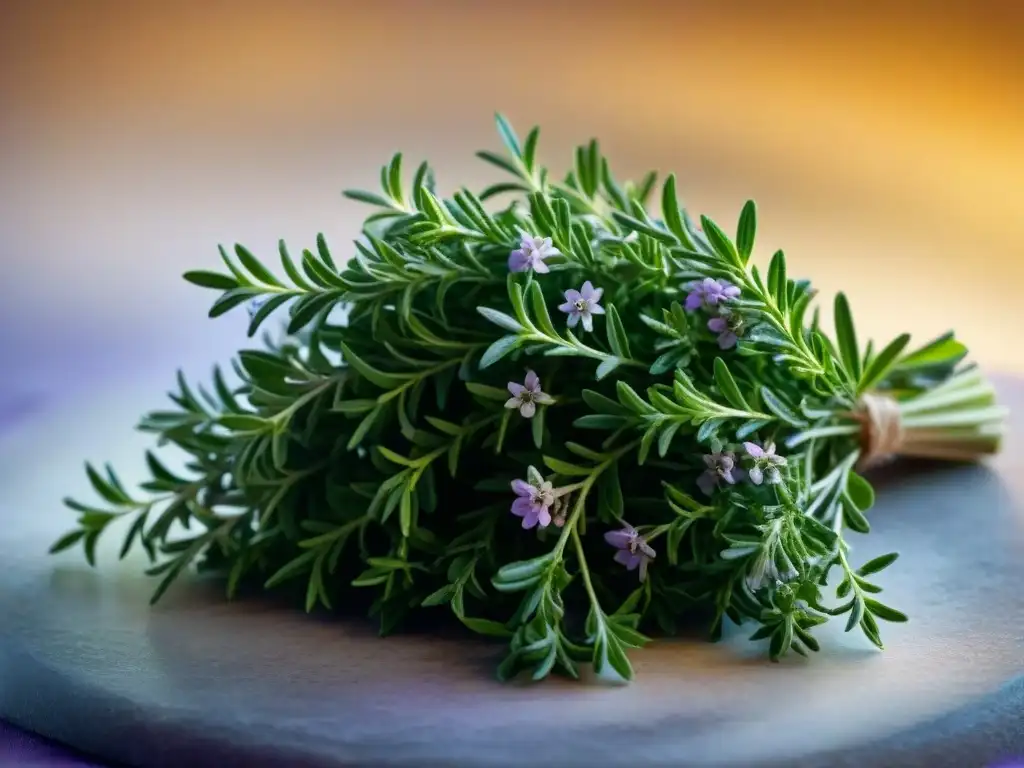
306 309
502 320
395 458
860 491
665 438
607 366
485 627
846 336
213 280
160 472
266 310
727 384
598 421
508 136
368 372
371 577
540 311
631 400
499 349
780 409
107 490
610 502
944 350
746 230
291 569
856 614
255 267
264 365
498 161
242 423
884 612
354 406
524 569
67 541
364 427
488 393
610 654
877 564
405 512
853 517
617 338
882 363
530 148
605 405
279 448
293 272
584 452
537 427
719 242
646 442
565 468
778 282
441 596
366 197
502 187
670 212
394 177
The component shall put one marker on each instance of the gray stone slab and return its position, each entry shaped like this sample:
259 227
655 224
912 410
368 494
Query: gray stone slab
197 681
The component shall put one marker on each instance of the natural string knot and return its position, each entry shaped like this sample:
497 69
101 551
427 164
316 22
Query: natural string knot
882 429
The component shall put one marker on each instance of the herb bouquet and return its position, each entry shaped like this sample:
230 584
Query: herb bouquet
573 419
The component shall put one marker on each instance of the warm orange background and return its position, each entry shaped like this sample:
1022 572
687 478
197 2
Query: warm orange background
884 144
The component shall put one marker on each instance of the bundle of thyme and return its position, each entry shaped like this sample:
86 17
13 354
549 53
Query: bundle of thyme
572 420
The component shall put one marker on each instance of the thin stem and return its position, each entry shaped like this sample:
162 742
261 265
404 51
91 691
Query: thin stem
581 500
584 570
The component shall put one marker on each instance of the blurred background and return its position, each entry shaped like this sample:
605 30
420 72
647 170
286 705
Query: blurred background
883 142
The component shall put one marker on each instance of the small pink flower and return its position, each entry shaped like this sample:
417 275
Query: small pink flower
527 395
720 466
728 326
634 551
582 305
767 464
531 254
535 498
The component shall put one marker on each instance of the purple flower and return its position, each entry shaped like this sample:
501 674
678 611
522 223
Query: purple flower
531 254
534 500
720 466
728 326
766 463
634 551
525 396
709 293
582 305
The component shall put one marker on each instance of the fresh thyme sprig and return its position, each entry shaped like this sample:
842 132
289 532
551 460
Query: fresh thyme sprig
573 421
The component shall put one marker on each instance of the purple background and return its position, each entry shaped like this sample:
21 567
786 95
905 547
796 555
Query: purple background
18 748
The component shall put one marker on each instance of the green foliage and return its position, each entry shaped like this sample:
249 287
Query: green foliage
366 457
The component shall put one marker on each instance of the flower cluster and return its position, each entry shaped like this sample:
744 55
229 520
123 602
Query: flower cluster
766 466
713 297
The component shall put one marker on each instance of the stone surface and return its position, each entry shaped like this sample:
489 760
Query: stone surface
198 681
